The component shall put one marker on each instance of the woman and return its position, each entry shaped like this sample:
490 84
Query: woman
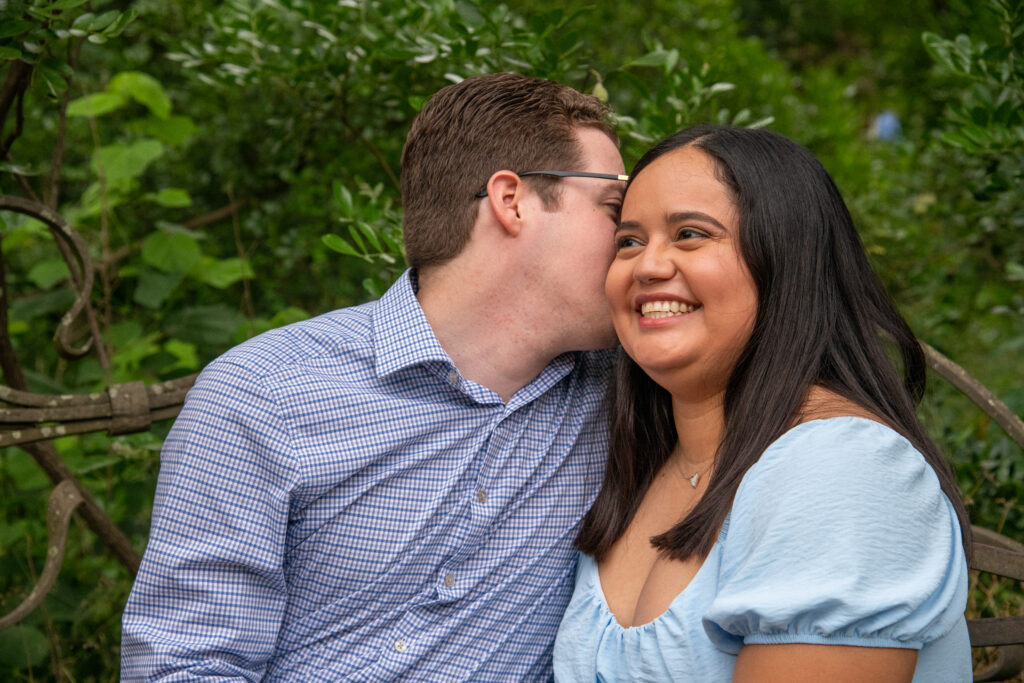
772 509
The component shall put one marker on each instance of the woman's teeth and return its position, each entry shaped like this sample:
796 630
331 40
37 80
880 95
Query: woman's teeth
664 309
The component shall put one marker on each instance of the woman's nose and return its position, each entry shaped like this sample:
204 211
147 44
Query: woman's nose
653 265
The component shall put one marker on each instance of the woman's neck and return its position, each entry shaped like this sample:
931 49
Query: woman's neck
699 427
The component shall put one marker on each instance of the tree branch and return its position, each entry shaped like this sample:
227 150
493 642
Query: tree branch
46 455
215 215
16 82
977 392
373 150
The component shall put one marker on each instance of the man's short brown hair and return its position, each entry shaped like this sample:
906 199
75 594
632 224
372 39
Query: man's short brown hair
467 132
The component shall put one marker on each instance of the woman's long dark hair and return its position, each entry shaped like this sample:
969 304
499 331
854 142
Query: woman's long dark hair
822 315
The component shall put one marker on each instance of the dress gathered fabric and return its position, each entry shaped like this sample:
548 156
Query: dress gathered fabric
838 535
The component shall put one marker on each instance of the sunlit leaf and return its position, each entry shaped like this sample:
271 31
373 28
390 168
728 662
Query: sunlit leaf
173 197
222 273
125 161
144 89
173 130
340 245
96 104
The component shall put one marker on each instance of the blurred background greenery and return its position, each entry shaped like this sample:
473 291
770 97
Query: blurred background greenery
233 167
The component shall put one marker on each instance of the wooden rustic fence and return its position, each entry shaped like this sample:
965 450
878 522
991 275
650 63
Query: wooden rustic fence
31 421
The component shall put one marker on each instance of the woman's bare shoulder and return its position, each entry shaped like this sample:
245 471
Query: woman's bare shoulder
822 403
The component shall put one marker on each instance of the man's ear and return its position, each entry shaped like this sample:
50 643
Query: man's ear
505 193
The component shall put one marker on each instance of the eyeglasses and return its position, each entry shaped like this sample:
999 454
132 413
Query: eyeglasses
564 174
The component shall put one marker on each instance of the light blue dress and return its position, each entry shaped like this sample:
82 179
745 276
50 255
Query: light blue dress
838 535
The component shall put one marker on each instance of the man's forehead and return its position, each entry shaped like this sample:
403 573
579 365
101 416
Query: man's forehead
598 148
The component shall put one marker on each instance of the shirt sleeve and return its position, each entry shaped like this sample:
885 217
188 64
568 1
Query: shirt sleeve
839 535
210 594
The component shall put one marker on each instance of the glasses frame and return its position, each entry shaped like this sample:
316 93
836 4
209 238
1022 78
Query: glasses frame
564 174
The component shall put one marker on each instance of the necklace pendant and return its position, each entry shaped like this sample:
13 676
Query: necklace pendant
694 479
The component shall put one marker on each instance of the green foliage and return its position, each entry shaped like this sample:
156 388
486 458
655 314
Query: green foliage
233 168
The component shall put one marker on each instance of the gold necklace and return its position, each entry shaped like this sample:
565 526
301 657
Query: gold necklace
695 477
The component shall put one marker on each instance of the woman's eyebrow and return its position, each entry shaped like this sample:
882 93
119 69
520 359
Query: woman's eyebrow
683 216
677 217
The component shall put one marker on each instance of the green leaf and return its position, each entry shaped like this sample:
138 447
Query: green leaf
223 273
119 25
954 55
97 104
123 162
15 27
171 252
124 333
53 78
7 52
343 197
42 304
288 316
46 274
144 89
173 197
81 23
340 245
655 58
22 647
173 131
66 4
103 21
370 232
958 139
185 353
154 287
204 326
12 532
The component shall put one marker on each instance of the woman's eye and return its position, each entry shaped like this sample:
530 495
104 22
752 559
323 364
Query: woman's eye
626 242
688 234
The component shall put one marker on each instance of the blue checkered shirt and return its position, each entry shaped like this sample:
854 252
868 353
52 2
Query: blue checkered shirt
336 502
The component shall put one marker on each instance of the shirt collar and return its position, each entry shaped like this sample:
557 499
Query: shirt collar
401 333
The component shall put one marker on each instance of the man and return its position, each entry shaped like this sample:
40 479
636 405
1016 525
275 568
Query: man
391 491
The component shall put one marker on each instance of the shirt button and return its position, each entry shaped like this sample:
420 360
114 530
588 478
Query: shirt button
399 645
481 496
449 580
453 377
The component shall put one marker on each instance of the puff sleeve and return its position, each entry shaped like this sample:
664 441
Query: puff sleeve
839 535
